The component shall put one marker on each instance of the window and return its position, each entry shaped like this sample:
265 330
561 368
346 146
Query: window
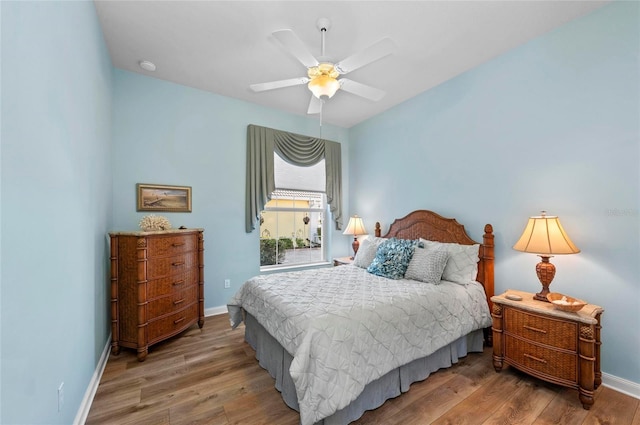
292 222
291 229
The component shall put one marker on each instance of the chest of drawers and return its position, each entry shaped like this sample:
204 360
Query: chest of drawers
557 346
157 286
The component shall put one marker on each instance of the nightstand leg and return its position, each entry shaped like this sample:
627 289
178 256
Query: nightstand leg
587 361
598 372
498 337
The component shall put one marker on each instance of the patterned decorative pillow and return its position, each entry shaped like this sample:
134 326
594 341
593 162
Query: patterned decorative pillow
427 266
367 251
392 258
462 265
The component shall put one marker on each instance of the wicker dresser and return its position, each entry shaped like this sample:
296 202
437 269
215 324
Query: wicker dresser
554 345
157 286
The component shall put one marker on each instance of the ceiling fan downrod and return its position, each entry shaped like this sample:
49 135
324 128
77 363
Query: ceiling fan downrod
323 25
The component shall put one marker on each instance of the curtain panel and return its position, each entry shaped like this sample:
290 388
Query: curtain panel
303 151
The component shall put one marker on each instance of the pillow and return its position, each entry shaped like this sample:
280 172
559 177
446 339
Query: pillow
367 252
427 266
462 265
392 258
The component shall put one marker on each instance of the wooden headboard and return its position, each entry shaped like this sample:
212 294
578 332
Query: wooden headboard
429 225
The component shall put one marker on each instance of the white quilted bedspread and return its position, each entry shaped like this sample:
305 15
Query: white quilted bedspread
345 327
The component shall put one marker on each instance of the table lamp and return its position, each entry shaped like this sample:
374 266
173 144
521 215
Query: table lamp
355 227
545 236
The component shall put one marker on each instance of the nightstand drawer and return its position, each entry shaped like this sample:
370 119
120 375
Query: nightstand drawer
556 333
550 362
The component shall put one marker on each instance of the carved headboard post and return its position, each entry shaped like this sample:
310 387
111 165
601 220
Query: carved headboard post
487 255
378 230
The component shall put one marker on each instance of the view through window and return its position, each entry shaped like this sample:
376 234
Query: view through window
291 229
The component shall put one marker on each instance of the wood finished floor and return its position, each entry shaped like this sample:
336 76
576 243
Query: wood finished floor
210 376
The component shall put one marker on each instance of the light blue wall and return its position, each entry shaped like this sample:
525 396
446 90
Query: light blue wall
570 98
551 125
166 133
56 206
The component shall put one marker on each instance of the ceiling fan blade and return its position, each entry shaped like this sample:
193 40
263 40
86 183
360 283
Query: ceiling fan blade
279 84
315 105
296 47
372 53
361 90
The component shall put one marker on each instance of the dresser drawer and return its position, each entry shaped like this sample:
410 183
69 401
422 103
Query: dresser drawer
171 266
548 361
173 302
545 330
172 284
167 246
172 324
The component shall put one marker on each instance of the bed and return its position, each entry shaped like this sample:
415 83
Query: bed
339 341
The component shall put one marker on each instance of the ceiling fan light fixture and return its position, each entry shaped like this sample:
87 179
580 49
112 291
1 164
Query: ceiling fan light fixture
323 85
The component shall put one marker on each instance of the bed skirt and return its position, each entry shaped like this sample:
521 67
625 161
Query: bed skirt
276 360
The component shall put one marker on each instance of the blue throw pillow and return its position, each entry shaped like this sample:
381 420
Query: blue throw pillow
392 258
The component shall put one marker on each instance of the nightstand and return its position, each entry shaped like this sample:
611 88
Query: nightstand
557 346
342 261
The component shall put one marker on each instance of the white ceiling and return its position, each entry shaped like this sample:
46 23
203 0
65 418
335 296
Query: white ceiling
224 46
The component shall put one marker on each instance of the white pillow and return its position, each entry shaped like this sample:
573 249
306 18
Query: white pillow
427 266
462 265
367 252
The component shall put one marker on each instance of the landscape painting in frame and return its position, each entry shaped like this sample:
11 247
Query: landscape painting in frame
155 197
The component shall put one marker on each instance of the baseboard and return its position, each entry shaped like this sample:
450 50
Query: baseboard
214 311
621 385
85 406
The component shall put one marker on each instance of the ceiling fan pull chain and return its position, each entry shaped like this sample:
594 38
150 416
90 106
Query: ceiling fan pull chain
321 104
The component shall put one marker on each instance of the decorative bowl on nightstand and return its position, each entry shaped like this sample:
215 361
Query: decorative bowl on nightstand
564 302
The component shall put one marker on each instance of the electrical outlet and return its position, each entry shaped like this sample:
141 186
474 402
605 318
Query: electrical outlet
227 283
60 396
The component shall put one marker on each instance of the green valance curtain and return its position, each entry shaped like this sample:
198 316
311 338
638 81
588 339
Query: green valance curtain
296 149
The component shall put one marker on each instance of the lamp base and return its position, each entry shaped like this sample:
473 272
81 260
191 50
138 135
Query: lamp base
355 245
546 271
542 295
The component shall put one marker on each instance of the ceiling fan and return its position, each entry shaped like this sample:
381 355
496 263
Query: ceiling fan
322 75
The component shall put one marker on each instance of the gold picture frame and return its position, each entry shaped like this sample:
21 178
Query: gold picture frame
167 198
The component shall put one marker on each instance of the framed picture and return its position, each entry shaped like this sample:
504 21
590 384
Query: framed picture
156 197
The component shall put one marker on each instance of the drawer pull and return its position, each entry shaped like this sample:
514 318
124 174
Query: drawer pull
535 358
179 282
175 322
542 331
178 302
177 244
178 263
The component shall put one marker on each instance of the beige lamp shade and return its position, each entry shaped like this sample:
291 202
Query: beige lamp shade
355 227
544 235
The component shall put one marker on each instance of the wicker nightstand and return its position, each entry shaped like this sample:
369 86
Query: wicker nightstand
342 261
554 345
